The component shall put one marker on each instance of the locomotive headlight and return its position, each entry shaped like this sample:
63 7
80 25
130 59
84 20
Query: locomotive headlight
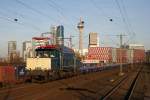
52 56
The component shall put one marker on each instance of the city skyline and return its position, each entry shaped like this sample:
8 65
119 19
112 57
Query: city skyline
21 20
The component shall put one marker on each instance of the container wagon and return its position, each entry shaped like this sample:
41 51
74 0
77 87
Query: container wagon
7 75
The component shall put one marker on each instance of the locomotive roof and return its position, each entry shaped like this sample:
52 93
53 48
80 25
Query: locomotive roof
56 47
40 38
48 47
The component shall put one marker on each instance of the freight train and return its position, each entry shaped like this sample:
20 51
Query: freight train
55 60
7 75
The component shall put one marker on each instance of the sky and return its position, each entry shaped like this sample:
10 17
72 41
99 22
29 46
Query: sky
129 17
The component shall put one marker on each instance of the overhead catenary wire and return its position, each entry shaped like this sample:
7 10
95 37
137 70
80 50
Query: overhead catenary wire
122 12
35 10
22 15
59 9
7 19
76 42
103 41
131 38
99 9
123 17
13 12
56 7
18 19
113 41
105 15
38 12
126 16
19 23
128 22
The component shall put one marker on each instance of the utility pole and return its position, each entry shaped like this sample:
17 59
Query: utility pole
131 56
121 40
74 64
120 53
60 62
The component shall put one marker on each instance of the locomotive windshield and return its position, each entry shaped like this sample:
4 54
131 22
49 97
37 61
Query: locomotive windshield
47 53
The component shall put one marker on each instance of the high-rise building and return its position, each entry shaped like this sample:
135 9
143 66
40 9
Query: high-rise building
12 49
27 50
53 31
60 35
93 40
12 45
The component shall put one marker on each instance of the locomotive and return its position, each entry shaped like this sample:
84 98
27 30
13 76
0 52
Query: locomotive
51 62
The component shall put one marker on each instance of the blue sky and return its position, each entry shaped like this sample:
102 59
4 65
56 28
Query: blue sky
41 14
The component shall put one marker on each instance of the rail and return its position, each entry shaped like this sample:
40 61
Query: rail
132 87
129 92
109 93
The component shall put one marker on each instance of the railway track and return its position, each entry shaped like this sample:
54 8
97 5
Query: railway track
84 87
132 87
129 90
142 89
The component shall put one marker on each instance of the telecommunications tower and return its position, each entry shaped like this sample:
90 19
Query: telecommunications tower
80 26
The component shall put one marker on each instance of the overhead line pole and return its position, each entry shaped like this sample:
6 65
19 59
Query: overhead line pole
121 41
